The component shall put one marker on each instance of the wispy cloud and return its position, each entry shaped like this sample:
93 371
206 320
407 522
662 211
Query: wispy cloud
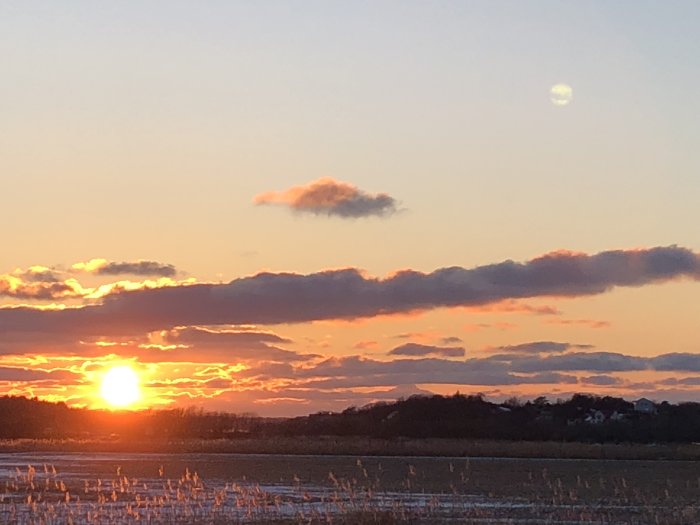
541 347
327 196
513 369
355 371
233 344
591 323
194 345
416 349
583 361
8 373
602 380
513 306
366 345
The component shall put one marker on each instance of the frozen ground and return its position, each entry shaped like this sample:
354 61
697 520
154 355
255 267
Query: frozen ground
225 488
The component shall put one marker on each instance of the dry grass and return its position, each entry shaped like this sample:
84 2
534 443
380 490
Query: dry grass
362 492
368 447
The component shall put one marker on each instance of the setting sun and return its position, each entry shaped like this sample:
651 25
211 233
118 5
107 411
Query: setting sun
120 387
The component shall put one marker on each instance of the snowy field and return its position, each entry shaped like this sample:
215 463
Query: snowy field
228 488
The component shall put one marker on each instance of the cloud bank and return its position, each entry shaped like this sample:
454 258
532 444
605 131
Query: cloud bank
277 298
360 372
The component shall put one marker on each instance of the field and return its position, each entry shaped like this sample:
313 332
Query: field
364 446
247 488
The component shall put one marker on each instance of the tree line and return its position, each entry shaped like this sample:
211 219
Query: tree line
583 417
23 417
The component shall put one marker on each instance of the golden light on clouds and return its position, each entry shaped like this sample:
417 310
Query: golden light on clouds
120 387
561 94
363 338
89 266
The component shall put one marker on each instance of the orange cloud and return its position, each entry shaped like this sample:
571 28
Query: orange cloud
592 323
16 286
501 325
40 283
366 345
327 196
511 306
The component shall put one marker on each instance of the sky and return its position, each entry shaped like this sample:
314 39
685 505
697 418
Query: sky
287 207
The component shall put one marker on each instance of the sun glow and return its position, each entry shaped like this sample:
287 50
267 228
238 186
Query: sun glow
120 387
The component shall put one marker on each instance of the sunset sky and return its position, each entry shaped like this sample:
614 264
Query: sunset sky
286 207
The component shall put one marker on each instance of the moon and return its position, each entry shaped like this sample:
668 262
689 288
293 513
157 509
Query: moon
561 94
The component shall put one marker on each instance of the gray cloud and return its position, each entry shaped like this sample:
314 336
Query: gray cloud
541 347
589 361
8 373
355 371
40 274
602 380
544 378
267 370
296 401
201 336
270 298
140 268
416 349
327 196
505 369
676 361
229 344
692 381
337 294
601 362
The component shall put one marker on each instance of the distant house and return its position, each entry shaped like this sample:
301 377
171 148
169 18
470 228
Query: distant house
595 417
644 406
617 416
545 415
391 416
